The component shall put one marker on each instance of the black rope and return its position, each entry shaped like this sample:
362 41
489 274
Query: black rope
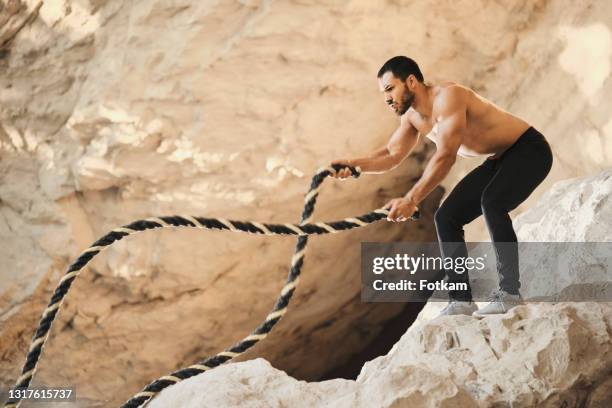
301 230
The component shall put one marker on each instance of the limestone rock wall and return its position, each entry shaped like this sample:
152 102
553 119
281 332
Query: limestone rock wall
112 111
115 111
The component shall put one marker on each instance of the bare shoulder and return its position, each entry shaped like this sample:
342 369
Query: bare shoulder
450 97
451 92
408 119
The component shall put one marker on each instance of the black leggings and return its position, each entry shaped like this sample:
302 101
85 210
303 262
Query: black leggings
494 188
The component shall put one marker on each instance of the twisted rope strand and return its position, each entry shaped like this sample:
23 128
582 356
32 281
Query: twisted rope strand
301 230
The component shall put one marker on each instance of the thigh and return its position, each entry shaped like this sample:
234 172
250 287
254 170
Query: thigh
463 202
517 174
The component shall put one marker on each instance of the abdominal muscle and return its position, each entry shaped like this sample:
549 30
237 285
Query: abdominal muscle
478 149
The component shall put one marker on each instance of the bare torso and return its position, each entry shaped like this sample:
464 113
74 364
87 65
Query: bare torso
490 130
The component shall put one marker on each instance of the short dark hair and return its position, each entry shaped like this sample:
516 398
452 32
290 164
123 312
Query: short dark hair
401 67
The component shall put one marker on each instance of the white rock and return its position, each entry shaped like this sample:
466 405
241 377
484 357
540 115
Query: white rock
541 355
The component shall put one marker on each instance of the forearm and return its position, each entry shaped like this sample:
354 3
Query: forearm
435 171
390 156
383 151
379 163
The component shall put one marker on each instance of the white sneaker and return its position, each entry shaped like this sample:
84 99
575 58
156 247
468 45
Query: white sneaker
458 307
501 302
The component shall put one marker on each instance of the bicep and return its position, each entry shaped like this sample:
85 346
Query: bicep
451 128
402 140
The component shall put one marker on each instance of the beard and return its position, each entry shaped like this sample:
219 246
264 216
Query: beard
406 103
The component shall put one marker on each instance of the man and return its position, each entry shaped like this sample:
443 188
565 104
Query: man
461 122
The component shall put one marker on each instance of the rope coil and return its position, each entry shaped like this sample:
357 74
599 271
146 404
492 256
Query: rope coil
301 230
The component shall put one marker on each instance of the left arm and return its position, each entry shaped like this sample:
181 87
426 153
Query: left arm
451 130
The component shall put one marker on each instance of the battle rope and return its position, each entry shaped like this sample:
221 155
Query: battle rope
301 230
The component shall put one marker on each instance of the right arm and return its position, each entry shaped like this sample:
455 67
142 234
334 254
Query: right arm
401 143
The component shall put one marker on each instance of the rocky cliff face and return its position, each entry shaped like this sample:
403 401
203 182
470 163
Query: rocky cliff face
113 111
546 355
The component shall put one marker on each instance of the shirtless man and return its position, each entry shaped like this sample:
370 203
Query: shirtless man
461 123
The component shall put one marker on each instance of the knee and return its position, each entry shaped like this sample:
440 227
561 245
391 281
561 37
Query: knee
490 205
442 217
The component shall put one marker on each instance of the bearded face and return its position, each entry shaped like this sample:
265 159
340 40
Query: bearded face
406 98
396 92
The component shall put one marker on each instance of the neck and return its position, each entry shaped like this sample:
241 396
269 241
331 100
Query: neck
423 100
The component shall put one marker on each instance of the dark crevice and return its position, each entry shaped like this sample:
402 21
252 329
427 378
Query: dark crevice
392 331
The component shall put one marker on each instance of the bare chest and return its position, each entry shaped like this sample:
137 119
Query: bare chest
466 149
469 146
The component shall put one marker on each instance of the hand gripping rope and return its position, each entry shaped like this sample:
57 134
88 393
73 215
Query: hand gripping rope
301 230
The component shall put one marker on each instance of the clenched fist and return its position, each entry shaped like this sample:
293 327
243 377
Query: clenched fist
401 209
344 172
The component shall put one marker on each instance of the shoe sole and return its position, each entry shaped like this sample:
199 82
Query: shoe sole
475 314
457 314
490 314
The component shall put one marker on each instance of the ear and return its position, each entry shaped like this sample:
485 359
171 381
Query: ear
411 81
